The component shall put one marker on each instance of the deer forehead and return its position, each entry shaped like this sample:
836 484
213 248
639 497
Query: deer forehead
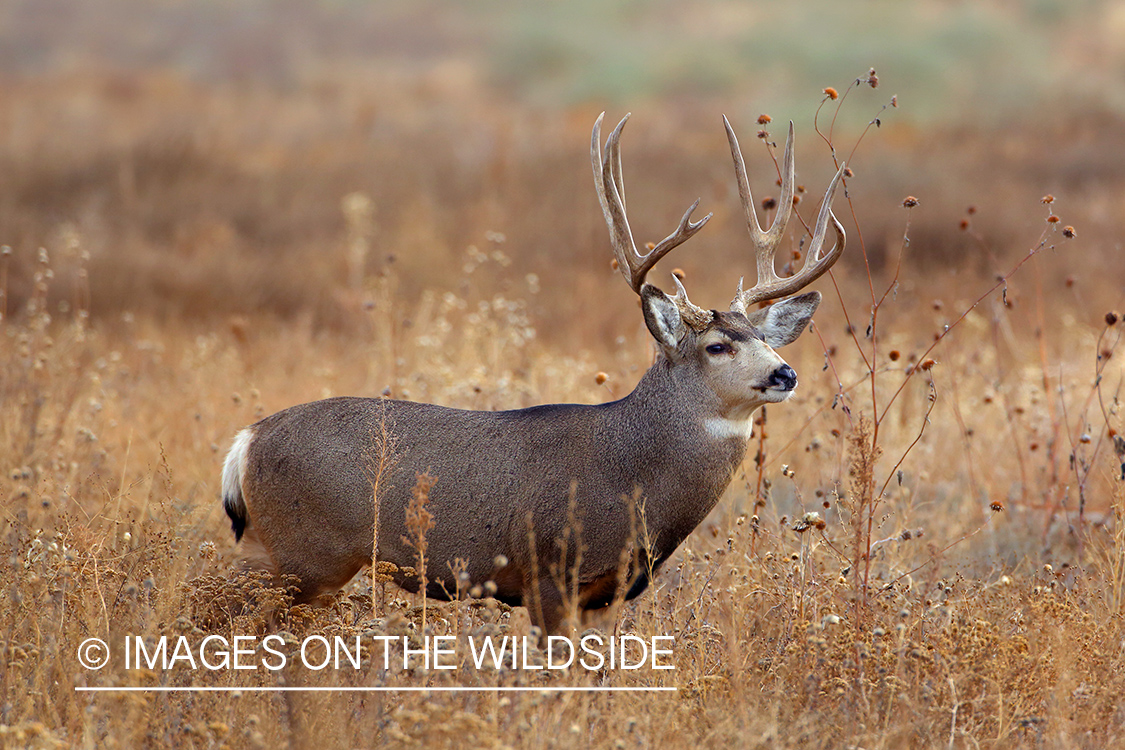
731 327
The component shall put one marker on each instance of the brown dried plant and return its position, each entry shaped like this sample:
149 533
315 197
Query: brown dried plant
380 462
419 521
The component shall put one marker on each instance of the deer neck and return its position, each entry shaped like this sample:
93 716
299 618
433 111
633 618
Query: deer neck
678 399
678 452
681 421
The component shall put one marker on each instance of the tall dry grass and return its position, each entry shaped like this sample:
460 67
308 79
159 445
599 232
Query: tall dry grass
960 583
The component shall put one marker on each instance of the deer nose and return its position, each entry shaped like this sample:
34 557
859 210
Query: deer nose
784 378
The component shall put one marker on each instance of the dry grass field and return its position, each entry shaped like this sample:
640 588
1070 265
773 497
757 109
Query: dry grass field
187 250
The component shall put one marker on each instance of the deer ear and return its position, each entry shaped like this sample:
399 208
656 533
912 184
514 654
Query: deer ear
662 318
782 322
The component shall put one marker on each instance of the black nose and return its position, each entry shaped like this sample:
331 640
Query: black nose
784 377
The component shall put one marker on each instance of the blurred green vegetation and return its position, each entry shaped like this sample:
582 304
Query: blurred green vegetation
990 59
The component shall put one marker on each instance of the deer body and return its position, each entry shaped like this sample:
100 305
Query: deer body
548 488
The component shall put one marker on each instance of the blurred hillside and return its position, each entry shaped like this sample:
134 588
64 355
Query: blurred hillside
958 60
198 152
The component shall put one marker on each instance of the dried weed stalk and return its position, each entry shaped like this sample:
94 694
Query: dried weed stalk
419 521
380 462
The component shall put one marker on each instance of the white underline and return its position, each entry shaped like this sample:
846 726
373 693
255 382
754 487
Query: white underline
161 689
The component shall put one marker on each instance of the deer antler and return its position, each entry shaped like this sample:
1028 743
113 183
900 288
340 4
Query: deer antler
611 194
769 285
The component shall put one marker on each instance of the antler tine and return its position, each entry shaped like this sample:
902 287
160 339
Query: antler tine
765 242
769 285
815 265
610 186
694 315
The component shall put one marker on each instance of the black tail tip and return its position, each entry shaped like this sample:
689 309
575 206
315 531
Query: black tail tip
237 522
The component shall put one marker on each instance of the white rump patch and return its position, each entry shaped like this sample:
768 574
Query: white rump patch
722 428
234 468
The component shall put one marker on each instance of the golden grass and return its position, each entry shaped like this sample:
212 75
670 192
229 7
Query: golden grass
918 616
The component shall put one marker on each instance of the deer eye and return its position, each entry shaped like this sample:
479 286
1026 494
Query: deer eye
719 349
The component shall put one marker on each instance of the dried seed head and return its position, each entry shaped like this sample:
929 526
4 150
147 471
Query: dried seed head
1053 219
1068 232
996 506
1048 198
894 101
927 364
764 119
763 134
894 355
831 93
1112 317
964 224
872 79
848 172
500 561
679 273
910 201
769 204
811 519
600 378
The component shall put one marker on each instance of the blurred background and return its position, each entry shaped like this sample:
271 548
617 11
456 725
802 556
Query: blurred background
196 156
262 202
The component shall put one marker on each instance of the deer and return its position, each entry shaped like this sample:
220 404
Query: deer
512 485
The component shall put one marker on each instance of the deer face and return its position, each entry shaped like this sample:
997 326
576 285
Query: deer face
732 354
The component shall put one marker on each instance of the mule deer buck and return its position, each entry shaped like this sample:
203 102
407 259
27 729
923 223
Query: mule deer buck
298 488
